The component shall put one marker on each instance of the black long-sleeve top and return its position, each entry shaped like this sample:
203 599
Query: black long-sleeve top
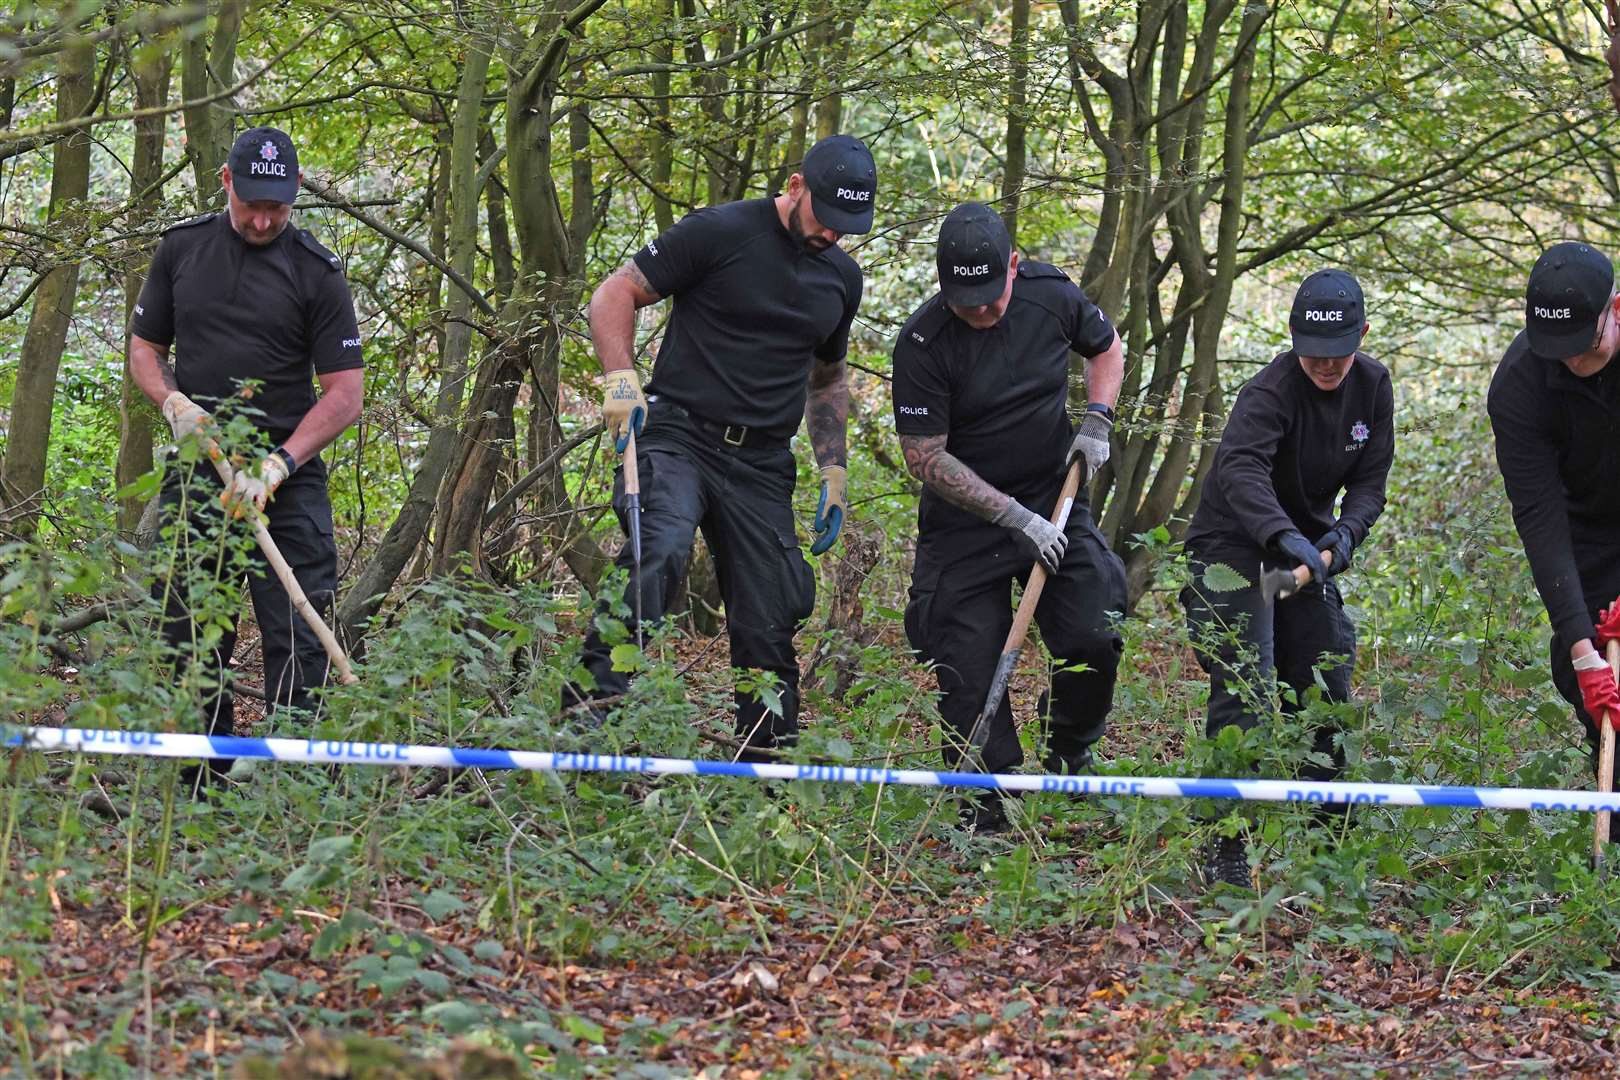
1558 446
1288 450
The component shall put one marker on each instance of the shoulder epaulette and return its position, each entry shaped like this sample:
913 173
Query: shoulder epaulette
929 322
200 219
307 239
1031 269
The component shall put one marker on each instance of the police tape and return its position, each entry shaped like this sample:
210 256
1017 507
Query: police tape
406 755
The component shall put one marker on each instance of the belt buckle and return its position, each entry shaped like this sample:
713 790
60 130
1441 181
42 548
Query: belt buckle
742 433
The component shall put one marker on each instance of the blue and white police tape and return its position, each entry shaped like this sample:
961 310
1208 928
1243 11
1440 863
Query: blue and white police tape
325 752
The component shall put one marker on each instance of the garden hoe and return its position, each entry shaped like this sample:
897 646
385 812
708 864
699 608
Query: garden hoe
284 573
974 760
1600 828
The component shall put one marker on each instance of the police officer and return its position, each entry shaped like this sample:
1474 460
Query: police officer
981 383
1554 404
240 295
763 301
1315 421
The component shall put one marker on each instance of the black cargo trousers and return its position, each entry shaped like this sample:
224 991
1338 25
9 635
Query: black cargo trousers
1243 642
300 522
737 487
959 613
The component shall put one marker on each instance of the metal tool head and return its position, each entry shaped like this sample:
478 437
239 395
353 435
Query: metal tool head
1277 583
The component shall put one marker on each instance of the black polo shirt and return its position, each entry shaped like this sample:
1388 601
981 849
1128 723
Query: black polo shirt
1558 446
1288 450
752 311
1000 396
279 314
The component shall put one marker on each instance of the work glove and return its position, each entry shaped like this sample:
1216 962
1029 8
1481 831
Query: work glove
1294 545
1599 694
830 510
254 486
185 416
624 408
1091 443
1608 626
1037 538
1337 540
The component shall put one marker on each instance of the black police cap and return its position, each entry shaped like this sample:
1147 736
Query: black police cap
1569 286
974 250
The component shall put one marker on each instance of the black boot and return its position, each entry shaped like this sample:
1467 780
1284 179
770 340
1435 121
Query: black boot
983 812
1226 859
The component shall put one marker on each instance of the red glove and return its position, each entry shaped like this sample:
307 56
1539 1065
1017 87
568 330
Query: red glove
1608 626
1600 695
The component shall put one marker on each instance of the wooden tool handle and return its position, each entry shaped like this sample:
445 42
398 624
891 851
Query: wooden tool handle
284 574
1037 576
1605 778
632 470
1302 576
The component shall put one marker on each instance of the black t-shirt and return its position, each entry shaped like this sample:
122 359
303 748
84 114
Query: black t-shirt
999 395
752 312
232 311
1289 448
1558 446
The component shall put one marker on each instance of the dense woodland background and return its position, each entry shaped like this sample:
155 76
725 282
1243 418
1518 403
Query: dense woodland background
478 168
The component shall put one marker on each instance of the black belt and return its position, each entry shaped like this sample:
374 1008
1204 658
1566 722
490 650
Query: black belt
738 435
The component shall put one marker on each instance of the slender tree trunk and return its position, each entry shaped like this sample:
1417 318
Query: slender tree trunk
136 417
461 240
22 475
208 67
1012 177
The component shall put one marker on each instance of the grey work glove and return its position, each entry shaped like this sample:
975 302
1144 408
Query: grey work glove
1037 537
1091 443
1294 545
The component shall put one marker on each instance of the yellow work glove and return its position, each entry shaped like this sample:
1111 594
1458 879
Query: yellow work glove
255 487
624 408
185 416
830 510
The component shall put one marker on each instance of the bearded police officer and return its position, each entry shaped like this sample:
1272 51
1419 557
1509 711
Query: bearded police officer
1315 422
763 301
1554 404
981 384
241 296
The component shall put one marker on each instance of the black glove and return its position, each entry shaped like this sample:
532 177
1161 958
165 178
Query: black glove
1337 540
1294 546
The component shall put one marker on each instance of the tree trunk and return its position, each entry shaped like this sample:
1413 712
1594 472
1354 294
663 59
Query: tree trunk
209 66
22 475
1012 176
136 417
416 514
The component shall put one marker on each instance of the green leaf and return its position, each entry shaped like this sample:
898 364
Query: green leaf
434 982
455 1017
581 1028
439 904
1218 577
1014 1009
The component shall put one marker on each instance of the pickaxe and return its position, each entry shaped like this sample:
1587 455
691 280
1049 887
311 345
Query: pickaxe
284 574
980 732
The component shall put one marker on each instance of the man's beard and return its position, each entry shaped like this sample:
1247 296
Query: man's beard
796 227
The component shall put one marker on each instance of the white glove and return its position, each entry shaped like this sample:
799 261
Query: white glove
185 416
255 486
1091 442
1037 537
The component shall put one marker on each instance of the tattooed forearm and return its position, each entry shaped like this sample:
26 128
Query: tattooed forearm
826 412
613 315
948 477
